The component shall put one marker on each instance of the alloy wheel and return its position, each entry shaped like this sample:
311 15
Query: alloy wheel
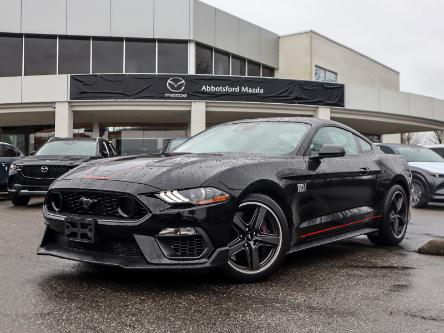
398 214
416 193
256 238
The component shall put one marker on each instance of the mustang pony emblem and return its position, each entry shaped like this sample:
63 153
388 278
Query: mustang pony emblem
86 202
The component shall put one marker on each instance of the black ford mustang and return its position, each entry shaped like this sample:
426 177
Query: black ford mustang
239 196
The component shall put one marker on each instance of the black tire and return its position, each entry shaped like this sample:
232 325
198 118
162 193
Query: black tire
259 240
419 193
396 215
20 201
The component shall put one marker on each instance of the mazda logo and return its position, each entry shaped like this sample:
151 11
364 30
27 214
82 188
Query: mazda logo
44 169
176 84
86 203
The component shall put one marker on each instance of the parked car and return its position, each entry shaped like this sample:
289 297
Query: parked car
427 170
239 196
8 154
439 149
174 143
32 175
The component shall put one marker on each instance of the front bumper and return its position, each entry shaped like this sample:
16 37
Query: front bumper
139 244
21 186
150 257
436 188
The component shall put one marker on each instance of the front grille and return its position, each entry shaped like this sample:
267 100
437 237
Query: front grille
114 247
184 246
105 204
43 171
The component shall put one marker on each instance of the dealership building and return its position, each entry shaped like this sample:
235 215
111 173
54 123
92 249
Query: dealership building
141 71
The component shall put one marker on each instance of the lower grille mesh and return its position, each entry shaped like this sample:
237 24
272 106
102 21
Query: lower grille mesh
186 246
119 248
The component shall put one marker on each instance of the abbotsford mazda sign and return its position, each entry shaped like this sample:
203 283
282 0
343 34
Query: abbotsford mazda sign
200 87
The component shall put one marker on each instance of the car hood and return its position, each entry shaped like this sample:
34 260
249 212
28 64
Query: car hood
433 167
54 160
170 171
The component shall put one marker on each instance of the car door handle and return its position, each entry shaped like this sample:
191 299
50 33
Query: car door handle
365 171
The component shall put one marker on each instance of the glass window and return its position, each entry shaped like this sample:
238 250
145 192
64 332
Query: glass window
68 148
418 154
254 69
140 56
264 138
11 52
334 136
204 60
319 74
6 151
331 76
324 75
365 146
173 57
40 55
267 71
107 56
74 55
238 66
221 63
387 150
439 151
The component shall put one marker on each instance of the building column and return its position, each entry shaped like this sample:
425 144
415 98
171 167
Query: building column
322 113
198 118
64 121
391 138
96 130
191 58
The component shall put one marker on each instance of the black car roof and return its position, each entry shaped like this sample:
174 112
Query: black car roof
305 120
73 139
394 145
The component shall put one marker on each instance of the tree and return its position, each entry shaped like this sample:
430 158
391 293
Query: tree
409 139
438 137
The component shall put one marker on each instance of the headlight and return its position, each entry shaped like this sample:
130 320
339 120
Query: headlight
14 166
196 196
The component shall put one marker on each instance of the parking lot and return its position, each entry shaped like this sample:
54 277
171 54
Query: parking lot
350 286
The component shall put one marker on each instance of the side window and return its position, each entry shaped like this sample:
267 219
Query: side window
365 146
387 150
439 151
6 151
334 136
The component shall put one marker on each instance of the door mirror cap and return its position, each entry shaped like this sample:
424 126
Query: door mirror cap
329 151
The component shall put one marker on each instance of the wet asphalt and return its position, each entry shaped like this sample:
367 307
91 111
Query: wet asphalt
351 286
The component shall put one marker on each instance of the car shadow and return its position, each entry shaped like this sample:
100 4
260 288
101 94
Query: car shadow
133 281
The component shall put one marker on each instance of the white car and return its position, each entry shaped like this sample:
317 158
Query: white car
427 170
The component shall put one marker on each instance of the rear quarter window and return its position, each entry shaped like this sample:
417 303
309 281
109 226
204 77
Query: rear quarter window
387 150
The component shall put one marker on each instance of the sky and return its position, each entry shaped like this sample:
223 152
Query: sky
406 35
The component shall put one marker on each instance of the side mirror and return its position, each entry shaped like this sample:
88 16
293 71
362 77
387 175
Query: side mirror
329 151
33 152
104 154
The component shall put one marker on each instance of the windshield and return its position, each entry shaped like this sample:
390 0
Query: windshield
68 148
419 154
265 138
